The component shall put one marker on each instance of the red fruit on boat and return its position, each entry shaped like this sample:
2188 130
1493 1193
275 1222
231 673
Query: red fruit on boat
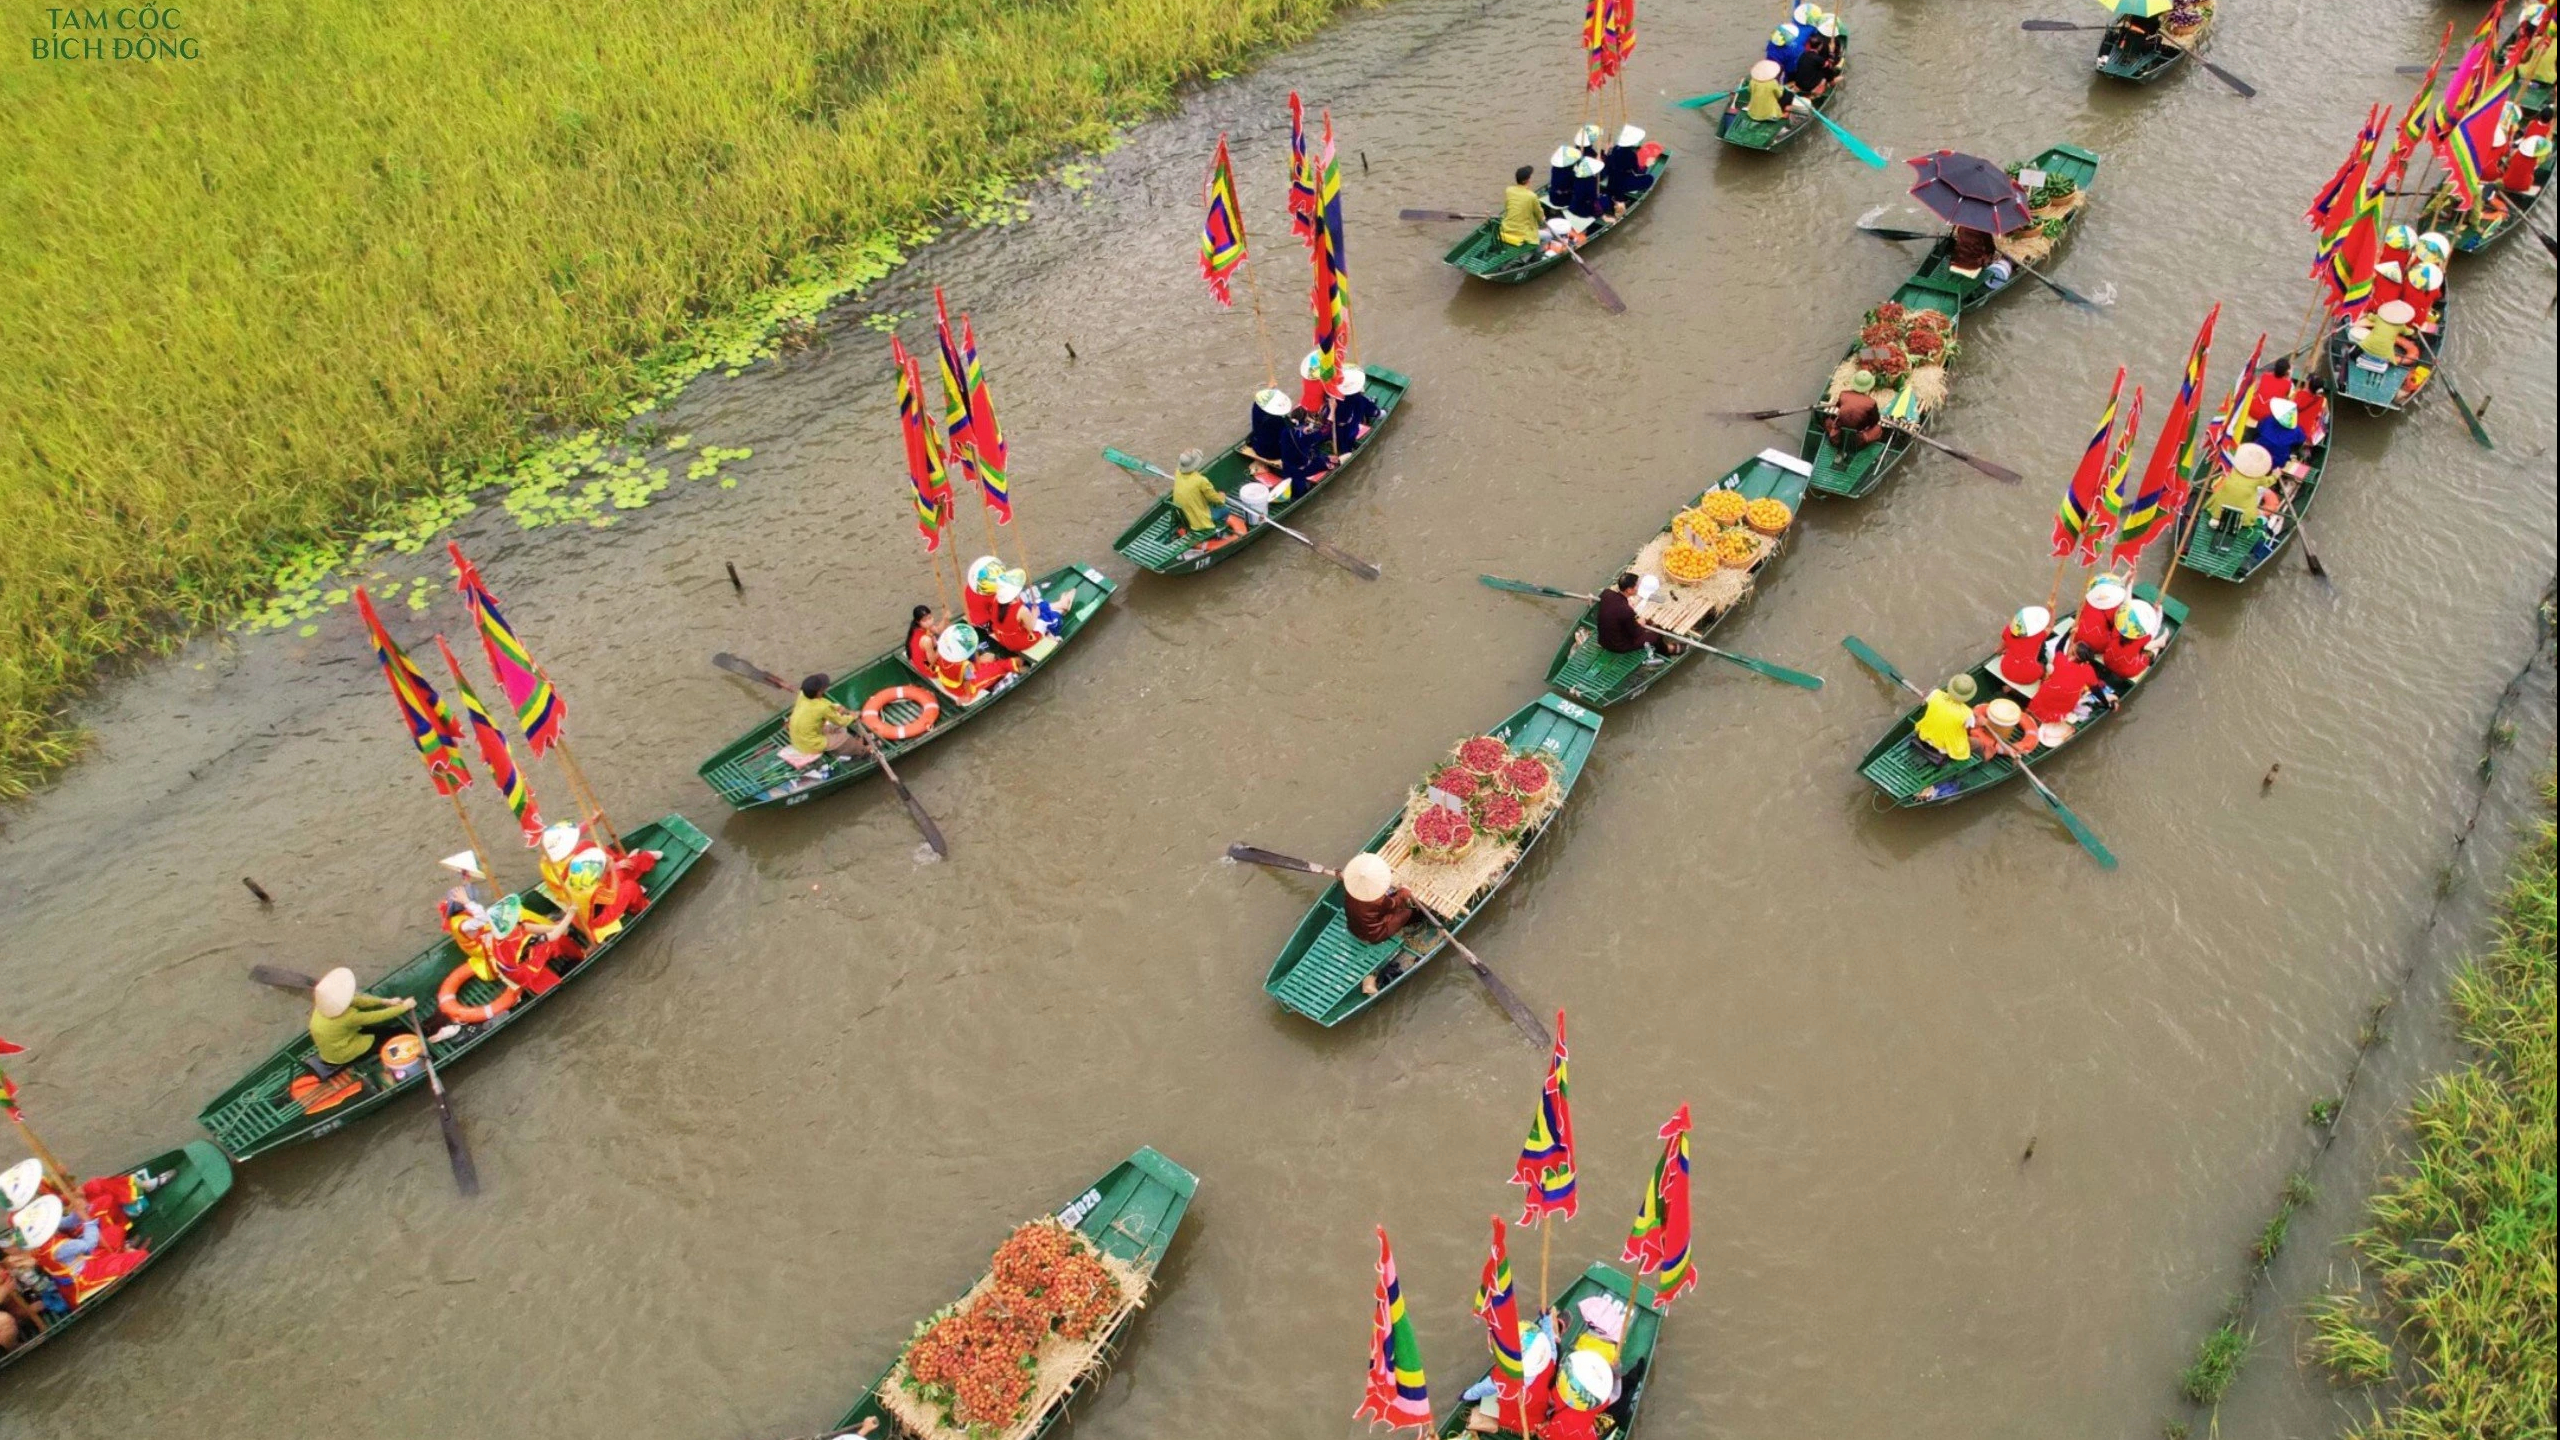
1500 813
1457 781
1483 754
1527 775
1935 322
1880 333
1890 312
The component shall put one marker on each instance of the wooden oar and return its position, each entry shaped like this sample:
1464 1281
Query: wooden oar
1608 296
1701 102
1352 563
1520 1014
2058 288
2079 831
2058 25
1781 673
1883 233
1996 472
1855 146
2470 417
879 756
1762 414
1441 215
2239 86
466 1176
281 978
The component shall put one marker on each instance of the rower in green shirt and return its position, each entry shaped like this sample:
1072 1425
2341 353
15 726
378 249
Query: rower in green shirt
1524 212
818 724
1203 505
344 1023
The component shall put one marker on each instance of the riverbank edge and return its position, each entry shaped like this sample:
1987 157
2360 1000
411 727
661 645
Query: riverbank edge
282 579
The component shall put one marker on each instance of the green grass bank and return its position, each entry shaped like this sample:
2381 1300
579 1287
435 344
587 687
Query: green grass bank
2457 1315
352 252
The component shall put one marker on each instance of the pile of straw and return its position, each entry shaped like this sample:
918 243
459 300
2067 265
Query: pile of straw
1446 889
1928 385
2031 245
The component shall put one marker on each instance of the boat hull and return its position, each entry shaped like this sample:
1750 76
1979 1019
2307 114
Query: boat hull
201 1177
1636 1350
1483 255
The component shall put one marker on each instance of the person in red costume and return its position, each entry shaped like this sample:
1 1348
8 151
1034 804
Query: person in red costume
2066 684
920 632
2524 159
2022 645
978 595
2126 651
1012 632
1585 1385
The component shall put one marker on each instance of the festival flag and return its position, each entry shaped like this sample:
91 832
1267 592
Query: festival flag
1545 1167
1221 227
2346 264
1331 296
1621 26
2336 200
2233 410
927 477
2469 74
2080 522
2111 496
2473 147
2161 495
2414 125
1302 175
1396 1395
1499 1308
539 713
430 724
9 1089
1603 61
1660 1240
986 438
494 754
2394 166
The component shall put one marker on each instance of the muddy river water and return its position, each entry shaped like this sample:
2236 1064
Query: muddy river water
813 1092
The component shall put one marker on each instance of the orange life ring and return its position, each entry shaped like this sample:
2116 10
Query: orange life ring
2405 351
874 721
449 999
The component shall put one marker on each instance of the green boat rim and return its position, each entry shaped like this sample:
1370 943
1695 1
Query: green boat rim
1483 255
1636 1353
1751 136
257 1114
749 774
1167 1190
1319 970
1588 675
1148 542
1859 476
200 1178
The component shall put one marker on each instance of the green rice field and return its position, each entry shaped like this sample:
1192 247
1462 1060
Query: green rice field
350 253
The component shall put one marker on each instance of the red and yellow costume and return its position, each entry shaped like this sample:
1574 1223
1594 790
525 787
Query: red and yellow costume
2065 685
2022 646
1012 628
596 887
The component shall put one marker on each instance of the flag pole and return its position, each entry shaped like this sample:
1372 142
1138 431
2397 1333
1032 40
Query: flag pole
1546 1242
63 1180
480 852
1253 295
587 792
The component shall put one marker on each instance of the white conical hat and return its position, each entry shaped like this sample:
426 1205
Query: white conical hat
1587 1383
2253 460
2031 620
20 1182
1272 402
1586 137
2434 243
335 992
1354 379
1367 877
39 1221
958 643
1563 158
560 841
984 571
1587 166
1630 135
2396 312
2105 593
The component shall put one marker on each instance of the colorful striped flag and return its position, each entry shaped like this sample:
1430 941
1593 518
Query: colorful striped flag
2080 522
1499 1308
970 418
2162 494
1221 227
2335 200
927 479
1620 26
429 723
1659 1243
2414 126
1302 175
1331 296
8 1088
494 754
1397 1395
2234 410
539 712
2474 147
1545 1167
2111 496
1596 42
2346 266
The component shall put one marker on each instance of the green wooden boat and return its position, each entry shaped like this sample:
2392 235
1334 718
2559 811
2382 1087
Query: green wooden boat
1318 973
2152 61
1601 678
1635 1351
1911 774
1854 477
2385 387
1157 542
1483 255
2471 234
1131 1213
1736 128
200 1178
2243 550
750 773
2065 162
259 1113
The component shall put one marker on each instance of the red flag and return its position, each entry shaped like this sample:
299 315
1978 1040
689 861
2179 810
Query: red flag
2414 125
9 1089
928 481
1659 1243
2162 494
1499 1307
422 712
1396 1392
2336 200
1222 239
2080 522
1302 175
495 757
1545 1166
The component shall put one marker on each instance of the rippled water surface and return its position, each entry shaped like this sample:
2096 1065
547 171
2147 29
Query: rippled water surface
802 1104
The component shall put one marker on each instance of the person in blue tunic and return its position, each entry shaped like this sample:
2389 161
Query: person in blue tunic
1268 443
1786 44
1626 174
1354 413
1590 200
2279 431
1560 177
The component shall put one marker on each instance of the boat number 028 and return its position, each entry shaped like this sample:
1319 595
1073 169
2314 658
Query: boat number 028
1074 1214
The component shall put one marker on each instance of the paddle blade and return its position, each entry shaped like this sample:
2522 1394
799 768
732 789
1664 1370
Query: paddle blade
1868 657
1523 587
748 668
1132 463
915 808
1344 558
2241 87
1256 855
1855 146
1509 1000
1883 233
466 1176
2080 831
1600 288
1701 102
281 978
1438 215
2055 25
1781 673
2058 288
2470 417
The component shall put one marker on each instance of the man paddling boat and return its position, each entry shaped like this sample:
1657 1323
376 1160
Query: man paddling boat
345 1024
1524 210
1856 421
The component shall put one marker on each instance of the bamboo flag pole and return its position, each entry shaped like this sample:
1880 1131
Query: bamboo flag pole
480 852
63 1180
1253 296
1546 1243
578 778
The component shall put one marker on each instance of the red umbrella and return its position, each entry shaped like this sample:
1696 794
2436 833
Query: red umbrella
1970 191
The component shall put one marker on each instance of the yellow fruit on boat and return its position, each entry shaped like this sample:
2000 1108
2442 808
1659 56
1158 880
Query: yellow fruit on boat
1697 527
1687 564
1723 506
1768 516
1738 548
